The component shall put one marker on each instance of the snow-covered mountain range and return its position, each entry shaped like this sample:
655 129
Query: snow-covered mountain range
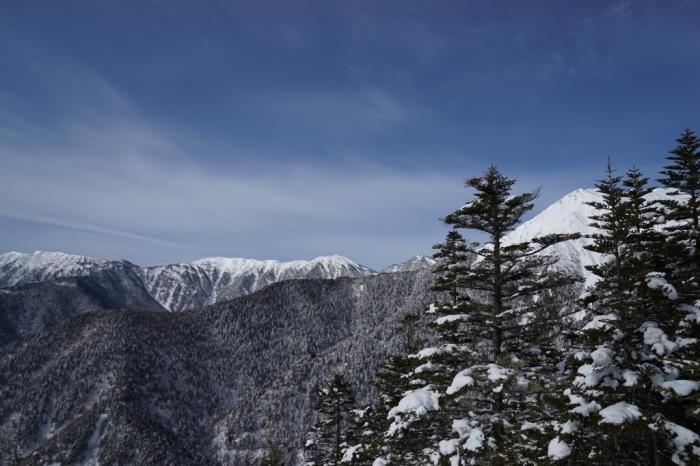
218 383
181 286
184 286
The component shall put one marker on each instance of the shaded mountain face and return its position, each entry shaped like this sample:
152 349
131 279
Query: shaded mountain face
29 307
208 386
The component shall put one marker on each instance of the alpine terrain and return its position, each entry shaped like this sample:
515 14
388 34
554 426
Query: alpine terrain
228 361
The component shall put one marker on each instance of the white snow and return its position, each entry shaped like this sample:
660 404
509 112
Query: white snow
451 318
172 286
684 437
380 462
631 377
497 372
432 351
570 215
461 380
419 402
682 387
475 440
657 339
427 367
447 447
350 453
585 408
461 426
570 427
16 267
419 262
656 280
602 356
693 312
599 322
558 449
619 413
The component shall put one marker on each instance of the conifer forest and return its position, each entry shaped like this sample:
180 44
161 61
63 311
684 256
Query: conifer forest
524 364
499 353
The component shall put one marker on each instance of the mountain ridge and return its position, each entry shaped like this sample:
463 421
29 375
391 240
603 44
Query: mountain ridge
181 286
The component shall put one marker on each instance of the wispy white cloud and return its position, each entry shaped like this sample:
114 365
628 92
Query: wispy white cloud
120 184
345 112
102 175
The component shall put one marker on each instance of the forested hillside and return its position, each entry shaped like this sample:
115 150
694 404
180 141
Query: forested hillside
211 385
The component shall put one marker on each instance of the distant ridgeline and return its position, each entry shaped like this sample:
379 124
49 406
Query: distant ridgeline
572 338
56 286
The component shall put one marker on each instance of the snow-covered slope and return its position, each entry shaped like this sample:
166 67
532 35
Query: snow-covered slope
418 262
206 281
570 214
178 287
17 268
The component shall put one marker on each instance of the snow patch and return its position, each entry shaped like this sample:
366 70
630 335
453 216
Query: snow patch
419 402
657 339
619 413
602 356
475 440
682 387
558 449
461 380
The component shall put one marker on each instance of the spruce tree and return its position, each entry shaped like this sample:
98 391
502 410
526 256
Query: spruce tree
617 413
336 429
272 456
482 384
682 177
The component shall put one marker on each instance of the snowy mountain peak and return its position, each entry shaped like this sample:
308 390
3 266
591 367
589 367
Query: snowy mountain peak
17 268
180 286
418 262
570 214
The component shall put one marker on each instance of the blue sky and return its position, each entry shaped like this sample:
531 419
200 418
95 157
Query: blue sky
166 131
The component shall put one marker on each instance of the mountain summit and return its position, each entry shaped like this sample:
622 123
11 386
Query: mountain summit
418 262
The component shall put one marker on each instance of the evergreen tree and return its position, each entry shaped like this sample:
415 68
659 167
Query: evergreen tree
453 260
683 212
477 390
682 176
393 381
272 456
616 413
335 432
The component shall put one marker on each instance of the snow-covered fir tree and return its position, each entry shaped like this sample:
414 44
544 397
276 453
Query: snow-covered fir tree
475 395
334 436
620 405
